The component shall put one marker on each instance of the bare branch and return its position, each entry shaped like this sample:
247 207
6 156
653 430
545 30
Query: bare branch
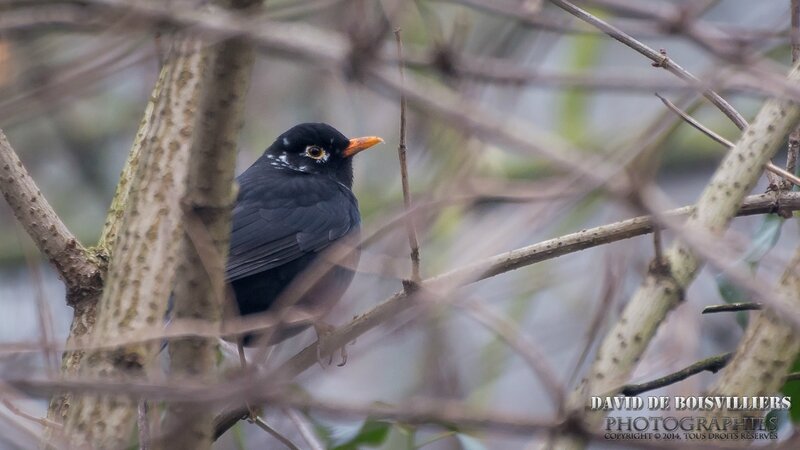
716 137
414 411
401 301
80 272
659 59
331 50
693 122
511 334
143 424
712 364
731 307
794 35
305 429
413 242
18 412
274 433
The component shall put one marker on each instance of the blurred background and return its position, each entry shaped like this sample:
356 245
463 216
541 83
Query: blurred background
71 98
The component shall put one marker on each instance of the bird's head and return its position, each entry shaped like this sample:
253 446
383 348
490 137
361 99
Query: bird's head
318 148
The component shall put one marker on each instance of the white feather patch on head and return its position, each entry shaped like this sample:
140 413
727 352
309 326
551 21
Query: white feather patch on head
286 142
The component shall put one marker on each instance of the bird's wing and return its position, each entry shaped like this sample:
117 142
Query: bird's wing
273 227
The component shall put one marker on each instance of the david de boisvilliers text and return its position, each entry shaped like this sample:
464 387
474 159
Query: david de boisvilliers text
691 403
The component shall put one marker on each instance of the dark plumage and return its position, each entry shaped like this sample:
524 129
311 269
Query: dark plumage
293 203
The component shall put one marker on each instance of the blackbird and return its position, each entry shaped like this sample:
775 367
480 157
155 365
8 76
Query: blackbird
295 202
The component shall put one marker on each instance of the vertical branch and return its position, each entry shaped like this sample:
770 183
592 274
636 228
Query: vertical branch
200 287
766 353
792 151
143 424
143 264
794 138
146 131
85 314
413 242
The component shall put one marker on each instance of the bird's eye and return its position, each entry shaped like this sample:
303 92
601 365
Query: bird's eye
315 152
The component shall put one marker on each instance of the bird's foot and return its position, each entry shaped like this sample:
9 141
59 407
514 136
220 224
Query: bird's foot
323 331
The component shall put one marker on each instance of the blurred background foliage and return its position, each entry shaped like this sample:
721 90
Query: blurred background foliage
71 101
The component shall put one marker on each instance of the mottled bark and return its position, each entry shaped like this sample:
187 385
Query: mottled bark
142 267
76 266
200 287
85 314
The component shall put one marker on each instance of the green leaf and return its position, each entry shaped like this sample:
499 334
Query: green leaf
238 436
780 416
573 117
371 434
764 238
729 291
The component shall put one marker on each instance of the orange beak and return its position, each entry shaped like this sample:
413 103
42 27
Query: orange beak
360 144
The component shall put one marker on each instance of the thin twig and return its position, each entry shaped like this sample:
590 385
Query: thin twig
731 307
793 147
712 364
794 36
659 58
304 429
693 122
716 137
424 411
792 152
512 335
506 262
413 242
658 248
479 270
39 420
274 433
144 426
44 316
610 284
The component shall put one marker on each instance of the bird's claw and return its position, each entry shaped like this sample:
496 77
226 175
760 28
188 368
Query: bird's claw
323 331
344 356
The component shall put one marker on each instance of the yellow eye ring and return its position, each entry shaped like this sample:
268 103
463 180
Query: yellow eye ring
315 152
